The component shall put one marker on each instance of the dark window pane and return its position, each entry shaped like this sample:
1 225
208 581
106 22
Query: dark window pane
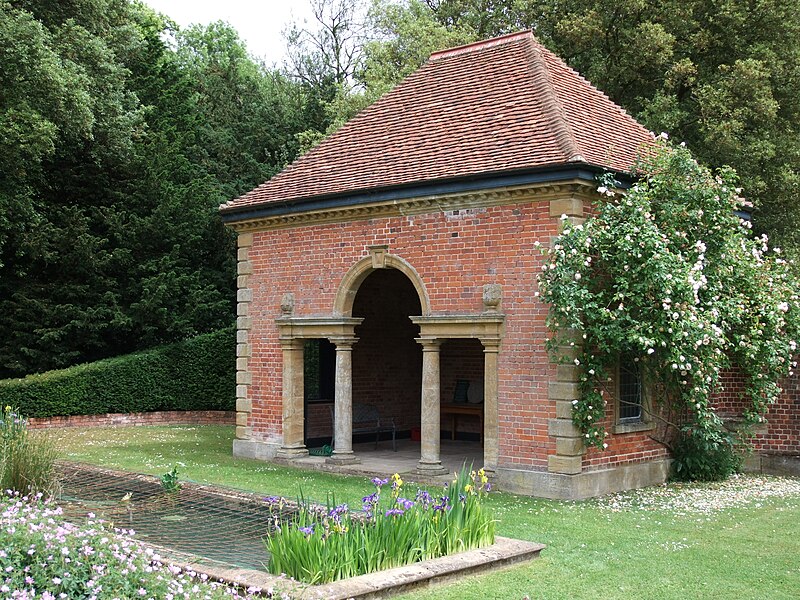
319 358
630 391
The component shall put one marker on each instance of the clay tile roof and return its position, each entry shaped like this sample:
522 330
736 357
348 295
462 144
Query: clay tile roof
502 105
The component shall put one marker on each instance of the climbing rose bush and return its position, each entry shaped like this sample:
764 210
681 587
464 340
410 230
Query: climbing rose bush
669 273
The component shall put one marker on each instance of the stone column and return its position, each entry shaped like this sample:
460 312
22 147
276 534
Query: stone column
293 400
343 403
491 439
430 462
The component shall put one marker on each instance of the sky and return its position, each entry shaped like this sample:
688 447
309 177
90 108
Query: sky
259 22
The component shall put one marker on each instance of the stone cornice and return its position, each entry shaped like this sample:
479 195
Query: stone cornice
576 188
316 327
486 327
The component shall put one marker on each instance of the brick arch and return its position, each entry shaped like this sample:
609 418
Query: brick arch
348 288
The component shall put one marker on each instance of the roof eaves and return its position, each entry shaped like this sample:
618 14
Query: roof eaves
553 174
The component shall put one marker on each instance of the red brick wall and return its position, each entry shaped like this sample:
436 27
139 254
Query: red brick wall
198 417
455 253
318 420
781 433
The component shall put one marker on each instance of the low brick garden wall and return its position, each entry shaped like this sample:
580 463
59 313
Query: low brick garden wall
168 417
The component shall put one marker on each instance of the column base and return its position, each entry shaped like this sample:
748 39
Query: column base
342 459
291 453
429 468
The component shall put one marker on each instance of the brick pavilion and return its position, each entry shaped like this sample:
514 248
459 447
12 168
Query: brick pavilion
395 264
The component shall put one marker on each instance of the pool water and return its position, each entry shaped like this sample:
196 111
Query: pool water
211 526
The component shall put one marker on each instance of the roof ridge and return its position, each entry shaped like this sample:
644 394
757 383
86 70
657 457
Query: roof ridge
559 122
481 45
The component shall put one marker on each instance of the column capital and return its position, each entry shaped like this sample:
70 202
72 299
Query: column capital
429 344
292 343
490 344
343 343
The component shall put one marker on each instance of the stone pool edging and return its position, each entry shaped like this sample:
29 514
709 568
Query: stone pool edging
503 553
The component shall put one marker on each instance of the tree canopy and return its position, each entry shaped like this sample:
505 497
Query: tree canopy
121 134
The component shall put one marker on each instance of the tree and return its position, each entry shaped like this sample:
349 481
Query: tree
329 52
68 94
121 144
669 274
723 76
403 38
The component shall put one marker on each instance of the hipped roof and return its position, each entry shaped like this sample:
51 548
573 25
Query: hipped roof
495 107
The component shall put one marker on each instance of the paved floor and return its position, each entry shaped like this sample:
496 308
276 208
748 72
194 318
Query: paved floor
384 462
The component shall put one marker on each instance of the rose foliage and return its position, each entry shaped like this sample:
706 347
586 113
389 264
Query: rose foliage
669 273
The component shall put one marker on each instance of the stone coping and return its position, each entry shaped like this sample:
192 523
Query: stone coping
163 417
383 584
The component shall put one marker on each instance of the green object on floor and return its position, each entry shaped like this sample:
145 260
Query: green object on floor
326 450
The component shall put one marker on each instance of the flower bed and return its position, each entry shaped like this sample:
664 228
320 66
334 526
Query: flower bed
327 543
41 556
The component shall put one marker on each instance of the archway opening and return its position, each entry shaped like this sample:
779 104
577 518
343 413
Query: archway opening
387 361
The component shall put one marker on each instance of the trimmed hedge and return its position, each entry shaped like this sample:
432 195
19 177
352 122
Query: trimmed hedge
196 374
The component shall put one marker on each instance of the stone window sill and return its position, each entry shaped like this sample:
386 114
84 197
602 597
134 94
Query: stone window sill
633 427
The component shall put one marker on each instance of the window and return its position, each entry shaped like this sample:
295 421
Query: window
632 399
630 391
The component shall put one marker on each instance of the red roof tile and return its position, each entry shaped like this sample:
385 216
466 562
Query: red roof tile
505 104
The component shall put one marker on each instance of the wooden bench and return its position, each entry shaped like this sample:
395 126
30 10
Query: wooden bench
367 419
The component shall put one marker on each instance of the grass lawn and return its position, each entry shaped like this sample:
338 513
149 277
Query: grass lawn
737 540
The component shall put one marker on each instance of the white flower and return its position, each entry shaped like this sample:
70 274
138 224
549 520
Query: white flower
564 217
578 276
602 189
650 350
577 362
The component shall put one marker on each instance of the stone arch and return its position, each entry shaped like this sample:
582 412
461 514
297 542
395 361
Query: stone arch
378 259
